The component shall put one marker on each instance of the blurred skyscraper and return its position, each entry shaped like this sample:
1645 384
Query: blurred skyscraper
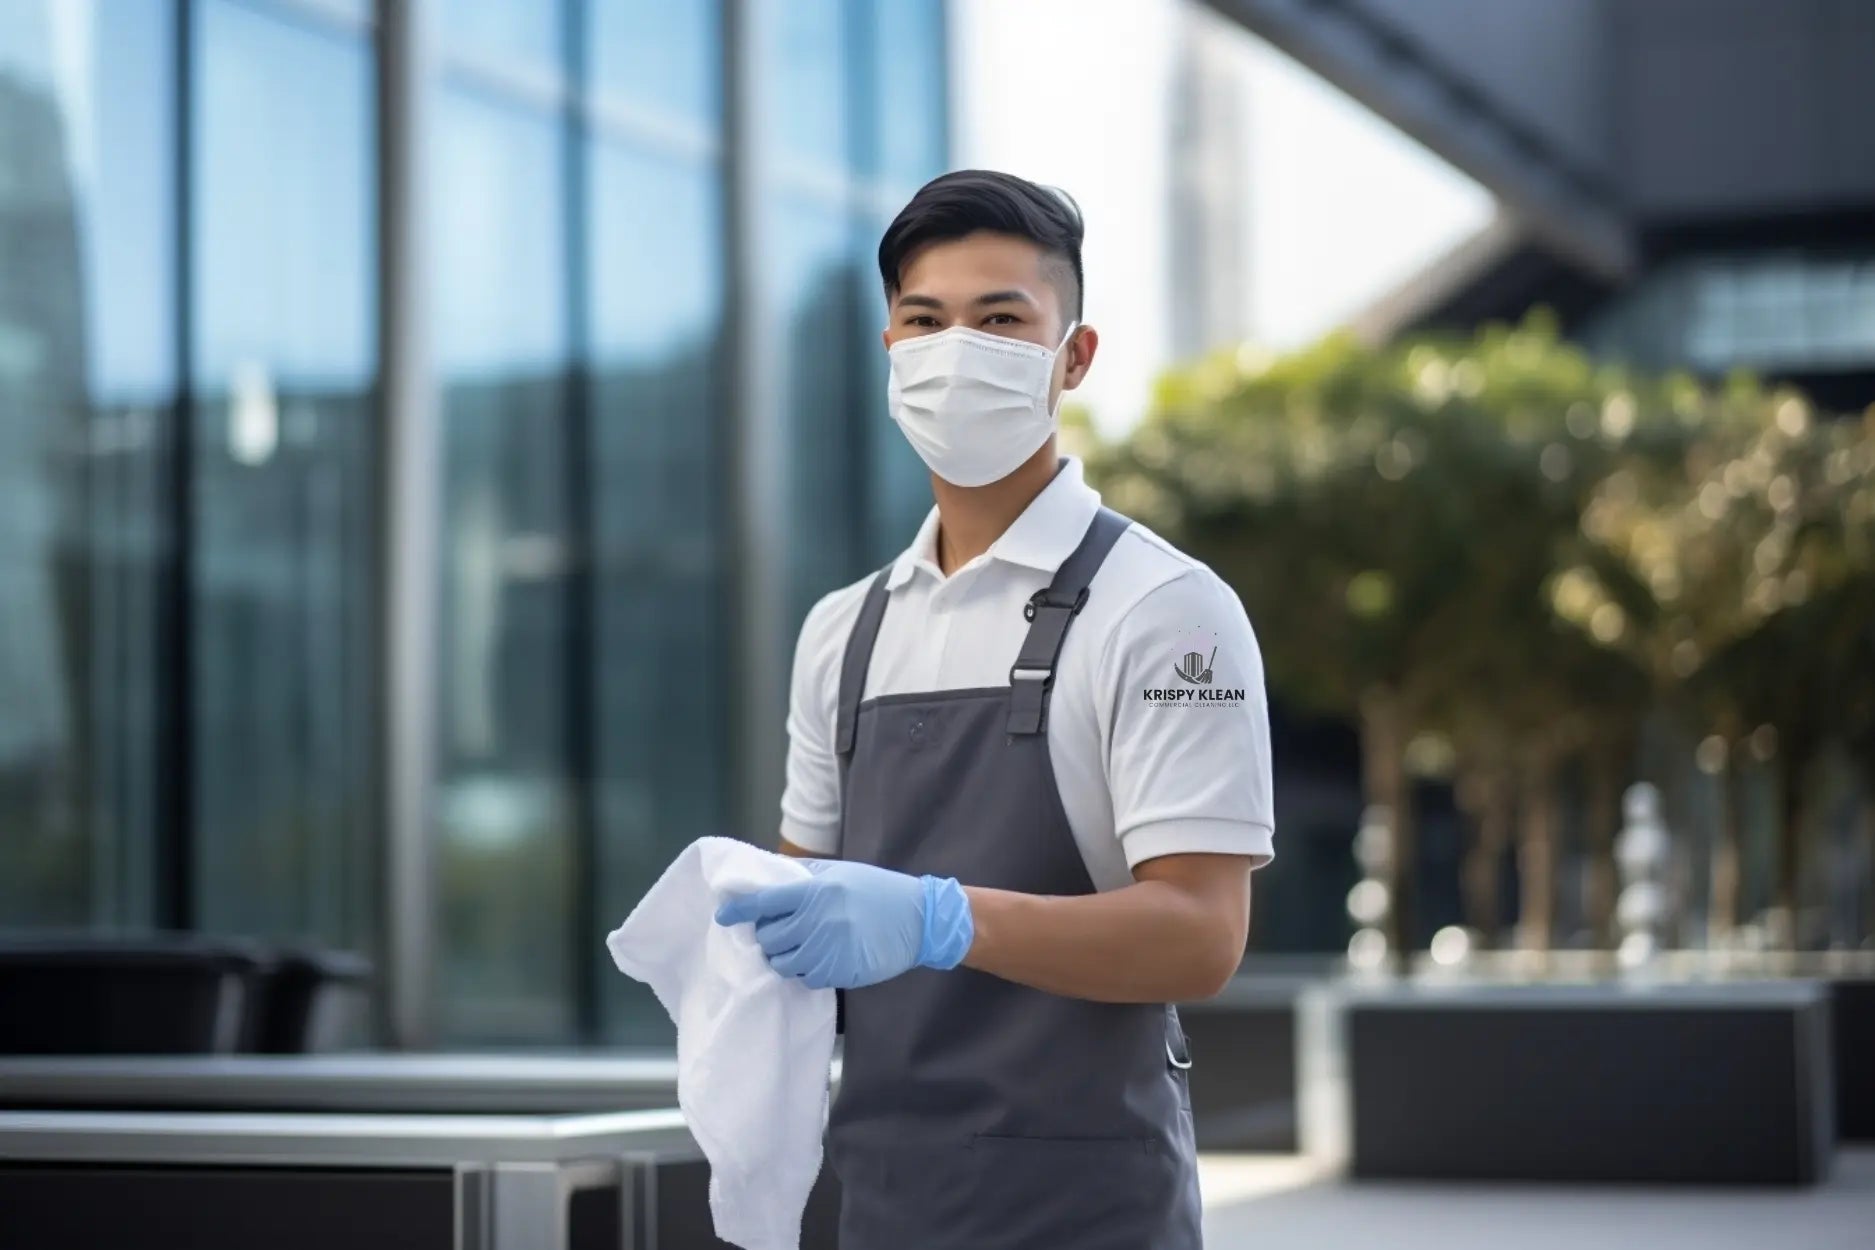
42 337
1208 225
1229 193
610 261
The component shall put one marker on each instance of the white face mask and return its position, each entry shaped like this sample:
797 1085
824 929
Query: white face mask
973 405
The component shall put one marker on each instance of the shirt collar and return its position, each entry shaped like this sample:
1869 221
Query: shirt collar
1046 533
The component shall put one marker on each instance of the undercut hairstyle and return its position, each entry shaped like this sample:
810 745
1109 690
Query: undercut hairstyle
968 200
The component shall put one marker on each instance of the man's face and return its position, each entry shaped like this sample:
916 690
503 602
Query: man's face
995 283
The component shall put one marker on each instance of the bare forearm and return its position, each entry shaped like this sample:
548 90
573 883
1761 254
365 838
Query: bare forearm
1153 941
789 849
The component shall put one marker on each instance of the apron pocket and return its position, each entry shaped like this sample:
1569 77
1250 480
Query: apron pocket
1016 1193
1088 1193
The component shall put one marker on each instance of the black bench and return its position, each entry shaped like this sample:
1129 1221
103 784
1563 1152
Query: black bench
175 994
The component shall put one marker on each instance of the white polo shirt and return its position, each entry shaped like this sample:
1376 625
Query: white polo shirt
1158 727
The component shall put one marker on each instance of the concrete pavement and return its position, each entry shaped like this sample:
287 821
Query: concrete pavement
1276 1203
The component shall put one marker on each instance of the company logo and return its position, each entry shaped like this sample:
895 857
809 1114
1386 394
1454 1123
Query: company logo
1196 668
1194 663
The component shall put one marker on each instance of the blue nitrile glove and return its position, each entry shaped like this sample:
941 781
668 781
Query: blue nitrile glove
852 924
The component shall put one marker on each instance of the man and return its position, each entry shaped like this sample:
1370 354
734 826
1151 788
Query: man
1037 747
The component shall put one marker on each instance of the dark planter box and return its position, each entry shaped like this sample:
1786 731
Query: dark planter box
1722 1084
1852 1022
1243 1064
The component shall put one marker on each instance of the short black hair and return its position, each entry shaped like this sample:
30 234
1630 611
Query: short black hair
968 200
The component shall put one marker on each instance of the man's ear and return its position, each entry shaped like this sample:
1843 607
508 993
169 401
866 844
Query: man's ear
1080 356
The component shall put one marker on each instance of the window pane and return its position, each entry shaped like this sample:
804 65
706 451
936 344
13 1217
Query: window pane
910 67
898 486
802 46
285 362
523 35
87 295
1744 310
506 806
659 56
816 264
663 731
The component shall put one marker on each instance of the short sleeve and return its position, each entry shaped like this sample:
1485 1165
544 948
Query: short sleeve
810 804
1188 740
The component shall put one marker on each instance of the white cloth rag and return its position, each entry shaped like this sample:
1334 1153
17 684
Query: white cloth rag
754 1048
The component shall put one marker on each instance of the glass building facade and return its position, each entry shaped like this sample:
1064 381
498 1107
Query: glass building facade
1780 312
647 234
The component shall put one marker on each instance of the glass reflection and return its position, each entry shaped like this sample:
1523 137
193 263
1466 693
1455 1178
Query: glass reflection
657 56
814 257
897 485
506 804
284 357
803 51
663 636
86 385
520 35
910 116
281 354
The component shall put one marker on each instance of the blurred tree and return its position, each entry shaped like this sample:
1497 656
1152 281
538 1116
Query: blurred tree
1504 555
1521 693
1853 468
1739 567
1296 480
1391 519
1781 523
1617 584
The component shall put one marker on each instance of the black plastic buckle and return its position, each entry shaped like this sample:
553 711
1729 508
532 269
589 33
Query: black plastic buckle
1040 599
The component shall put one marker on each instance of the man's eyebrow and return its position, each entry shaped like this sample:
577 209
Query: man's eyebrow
1003 297
1012 296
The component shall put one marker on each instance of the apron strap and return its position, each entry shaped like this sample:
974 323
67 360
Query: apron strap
1049 613
858 658
853 668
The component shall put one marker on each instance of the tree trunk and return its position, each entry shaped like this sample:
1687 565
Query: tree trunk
1608 770
1384 780
1722 911
1536 855
1487 798
1792 807
1868 851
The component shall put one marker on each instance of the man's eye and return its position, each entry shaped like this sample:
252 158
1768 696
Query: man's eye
1000 319
924 322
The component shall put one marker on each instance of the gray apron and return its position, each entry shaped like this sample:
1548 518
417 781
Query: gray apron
973 1112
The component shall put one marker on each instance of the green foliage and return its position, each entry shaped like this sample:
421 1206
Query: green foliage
1391 518
1524 548
1745 581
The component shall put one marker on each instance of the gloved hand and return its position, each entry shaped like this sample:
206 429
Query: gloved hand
853 924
